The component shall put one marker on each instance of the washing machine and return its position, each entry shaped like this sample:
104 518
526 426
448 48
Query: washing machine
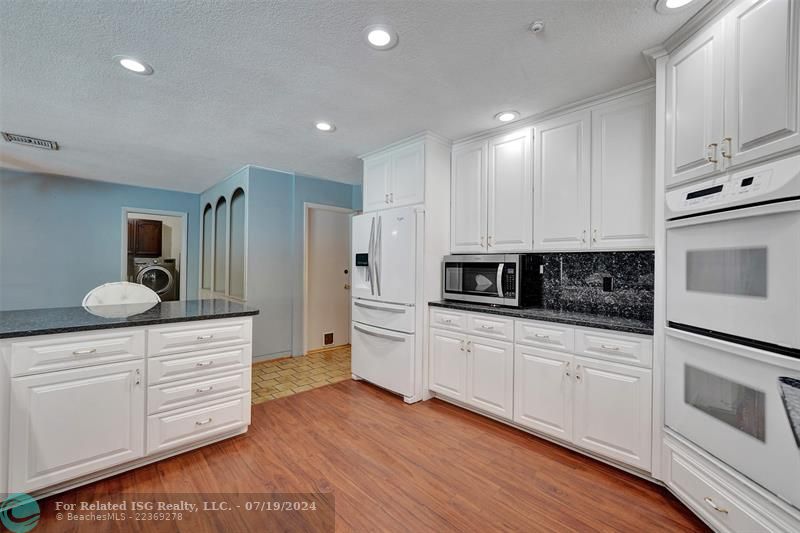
158 274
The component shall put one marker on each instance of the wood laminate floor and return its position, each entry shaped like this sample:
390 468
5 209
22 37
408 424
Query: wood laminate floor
396 467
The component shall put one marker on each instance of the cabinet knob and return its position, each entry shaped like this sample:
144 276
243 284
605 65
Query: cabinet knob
726 151
711 153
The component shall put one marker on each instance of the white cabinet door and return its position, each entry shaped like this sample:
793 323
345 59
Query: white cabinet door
623 145
761 79
468 198
377 173
543 391
561 183
510 193
695 107
67 424
613 415
407 181
490 375
448 364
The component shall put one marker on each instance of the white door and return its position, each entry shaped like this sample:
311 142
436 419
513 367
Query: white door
396 261
695 107
407 182
510 193
448 364
761 79
377 174
362 256
490 375
468 198
561 183
328 278
623 145
543 391
613 411
70 423
383 357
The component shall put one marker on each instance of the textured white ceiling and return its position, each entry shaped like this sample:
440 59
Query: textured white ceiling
241 82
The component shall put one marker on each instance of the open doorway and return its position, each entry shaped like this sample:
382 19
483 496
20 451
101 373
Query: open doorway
326 280
154 251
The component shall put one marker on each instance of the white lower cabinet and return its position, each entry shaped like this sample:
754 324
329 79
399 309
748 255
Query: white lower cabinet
67 424
543 391
613 411
448 364
490 375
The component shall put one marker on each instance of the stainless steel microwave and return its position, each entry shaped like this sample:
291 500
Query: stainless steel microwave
512 280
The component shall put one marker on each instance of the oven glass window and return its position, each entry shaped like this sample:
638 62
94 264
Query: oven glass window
736 271
471 278
735 404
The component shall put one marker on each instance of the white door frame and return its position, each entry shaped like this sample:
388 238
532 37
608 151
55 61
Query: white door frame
306 208
184 241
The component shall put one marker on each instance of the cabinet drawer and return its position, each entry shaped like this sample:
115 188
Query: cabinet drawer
709 497
62 352
170 430
197 364
491 326
545 335
448 319
389 316
186 393
199 335
618 348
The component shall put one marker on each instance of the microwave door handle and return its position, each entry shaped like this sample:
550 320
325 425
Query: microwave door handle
500 268
371 258
378 243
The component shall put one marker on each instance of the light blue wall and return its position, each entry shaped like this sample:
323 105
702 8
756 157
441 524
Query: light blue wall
358 194
61 236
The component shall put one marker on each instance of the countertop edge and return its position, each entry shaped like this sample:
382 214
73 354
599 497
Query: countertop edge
579 322
119 325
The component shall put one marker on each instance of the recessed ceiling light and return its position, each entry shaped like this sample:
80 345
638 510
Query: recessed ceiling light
380 36
671 6
327 127
134 65
506 116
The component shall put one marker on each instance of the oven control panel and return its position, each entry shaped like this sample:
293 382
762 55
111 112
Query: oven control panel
773 181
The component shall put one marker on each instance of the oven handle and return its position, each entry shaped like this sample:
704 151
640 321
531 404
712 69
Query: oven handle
500 268
736 213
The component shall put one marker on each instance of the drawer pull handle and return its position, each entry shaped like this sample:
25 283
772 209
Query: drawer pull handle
85 352
204 337
205 363
204 422
540 336
714 506
484 326
447 320
205 389
610 347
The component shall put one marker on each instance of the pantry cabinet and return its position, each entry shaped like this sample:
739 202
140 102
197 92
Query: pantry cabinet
492 195
395 177
732 91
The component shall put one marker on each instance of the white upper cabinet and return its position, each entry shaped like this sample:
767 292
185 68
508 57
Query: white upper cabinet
623 146
468 198
761 80
510 192
733 95
695 107
395 177
562 182
377 172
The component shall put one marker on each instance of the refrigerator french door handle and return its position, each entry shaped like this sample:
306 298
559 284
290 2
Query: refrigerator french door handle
378 243
378 308
381 335
500 279
371 257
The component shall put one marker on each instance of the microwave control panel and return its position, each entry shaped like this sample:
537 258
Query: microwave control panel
774 181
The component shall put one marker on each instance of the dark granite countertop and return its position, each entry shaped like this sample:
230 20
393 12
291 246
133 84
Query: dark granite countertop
629 325
30 322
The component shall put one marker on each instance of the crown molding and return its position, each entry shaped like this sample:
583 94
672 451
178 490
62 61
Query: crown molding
426 135
713 10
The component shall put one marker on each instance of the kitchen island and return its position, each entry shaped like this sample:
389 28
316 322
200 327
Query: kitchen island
87 393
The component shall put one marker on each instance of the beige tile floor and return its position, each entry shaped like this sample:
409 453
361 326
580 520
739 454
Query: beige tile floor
284 377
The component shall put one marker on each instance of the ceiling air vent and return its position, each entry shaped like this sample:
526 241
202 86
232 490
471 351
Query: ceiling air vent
30 141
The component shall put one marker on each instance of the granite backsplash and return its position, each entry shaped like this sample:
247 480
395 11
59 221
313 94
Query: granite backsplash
606 283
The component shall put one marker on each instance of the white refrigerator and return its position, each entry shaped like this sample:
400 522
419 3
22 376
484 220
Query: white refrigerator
385 248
